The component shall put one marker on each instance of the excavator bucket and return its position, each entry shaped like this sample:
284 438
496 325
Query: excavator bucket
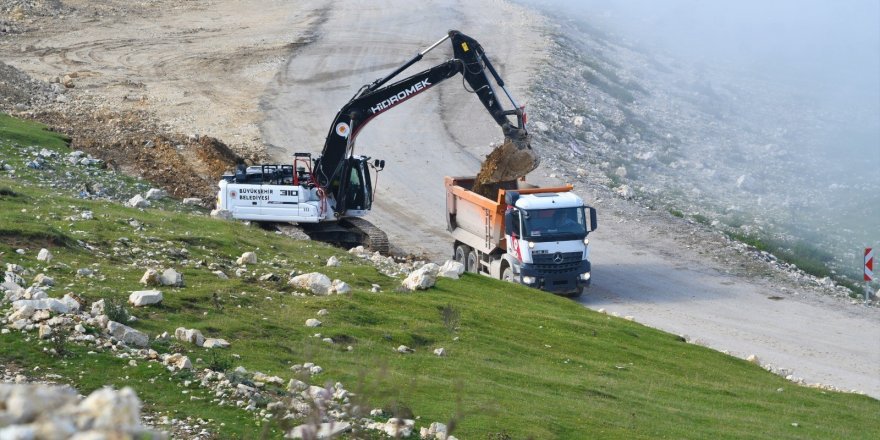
513 159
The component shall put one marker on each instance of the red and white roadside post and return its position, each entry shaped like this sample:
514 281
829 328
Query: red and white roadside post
869 271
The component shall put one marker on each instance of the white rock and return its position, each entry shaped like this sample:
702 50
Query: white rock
220 274
128 335
87 215
138 202
440 351
71 303
155 194
451 269
215 343
51 304
399 428
171 277
312 322
14 278
246 258
625 192
323 431
340 287
404 349
145 297
423 278
24 312
192 336
44 255
192 201
620 171
44 280
323 312
315 282
332 262
222 214
97 308
753 359
45 331
150 278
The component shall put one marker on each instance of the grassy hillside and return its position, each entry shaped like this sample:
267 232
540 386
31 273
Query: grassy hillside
520 362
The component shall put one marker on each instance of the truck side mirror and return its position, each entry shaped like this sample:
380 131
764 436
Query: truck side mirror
593 223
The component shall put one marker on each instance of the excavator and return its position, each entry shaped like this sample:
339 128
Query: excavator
328 196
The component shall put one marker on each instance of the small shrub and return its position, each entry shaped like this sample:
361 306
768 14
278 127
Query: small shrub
451 317
59 342
116 311
219 362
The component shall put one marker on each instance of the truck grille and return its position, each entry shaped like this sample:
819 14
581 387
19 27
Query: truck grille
555 263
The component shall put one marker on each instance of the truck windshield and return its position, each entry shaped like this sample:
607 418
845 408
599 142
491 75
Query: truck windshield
554 224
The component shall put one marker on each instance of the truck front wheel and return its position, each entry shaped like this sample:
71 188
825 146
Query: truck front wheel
507 275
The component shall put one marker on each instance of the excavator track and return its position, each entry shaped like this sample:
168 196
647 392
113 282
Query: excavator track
347 233
374 238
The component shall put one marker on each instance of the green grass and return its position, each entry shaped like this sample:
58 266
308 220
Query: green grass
526 363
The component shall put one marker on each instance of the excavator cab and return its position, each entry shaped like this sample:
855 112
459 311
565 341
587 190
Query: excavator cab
356 187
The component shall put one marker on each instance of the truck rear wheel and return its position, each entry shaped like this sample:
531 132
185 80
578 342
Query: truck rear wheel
473 263
460 254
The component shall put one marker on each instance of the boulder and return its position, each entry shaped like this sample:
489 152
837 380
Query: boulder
440 351
215 343
192 336
323 431
128 335
399 428
51 304
171 277
178 360
71 303
156 194
451 269
220 274
45 331
246 258
137 202
192 201
110 410
222 214
44 255
24 312
340 287
97 308
422 278
14 278
44 280
145 297
150 278
404 349
315 282
333 261
312 322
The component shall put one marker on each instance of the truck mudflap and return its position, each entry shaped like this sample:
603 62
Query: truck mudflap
562 278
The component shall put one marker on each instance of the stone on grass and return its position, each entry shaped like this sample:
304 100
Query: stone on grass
220 274
340 287
325 430
145 297
52 304
222 214
246 258
192 336
155 194
138 202
323 312
451 269
150 278
171 277
192 201
44 280
312 322
753 359
333 261
423 278
440 351
44 255
315 282
404 349
215 343
45 331
128 335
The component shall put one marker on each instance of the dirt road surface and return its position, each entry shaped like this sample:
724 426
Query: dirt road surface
277 72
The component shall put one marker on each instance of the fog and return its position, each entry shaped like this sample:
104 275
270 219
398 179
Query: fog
821 58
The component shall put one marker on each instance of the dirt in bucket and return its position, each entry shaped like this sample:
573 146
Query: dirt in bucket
513 159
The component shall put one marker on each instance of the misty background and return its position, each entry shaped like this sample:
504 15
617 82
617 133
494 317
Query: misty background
800 79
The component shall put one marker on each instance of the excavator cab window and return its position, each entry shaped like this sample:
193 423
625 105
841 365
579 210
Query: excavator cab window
359 185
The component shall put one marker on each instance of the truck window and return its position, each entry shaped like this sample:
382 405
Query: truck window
555 224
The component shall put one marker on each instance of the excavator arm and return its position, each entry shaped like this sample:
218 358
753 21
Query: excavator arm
469 59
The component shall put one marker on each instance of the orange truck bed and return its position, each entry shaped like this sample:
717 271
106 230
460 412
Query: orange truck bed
477 221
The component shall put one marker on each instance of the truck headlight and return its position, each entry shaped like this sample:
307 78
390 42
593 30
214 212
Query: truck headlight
531 245
528 280
585 276
586 241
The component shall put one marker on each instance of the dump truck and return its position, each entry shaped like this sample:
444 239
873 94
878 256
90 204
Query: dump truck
534 236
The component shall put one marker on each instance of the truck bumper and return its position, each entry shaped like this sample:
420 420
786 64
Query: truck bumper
562 281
